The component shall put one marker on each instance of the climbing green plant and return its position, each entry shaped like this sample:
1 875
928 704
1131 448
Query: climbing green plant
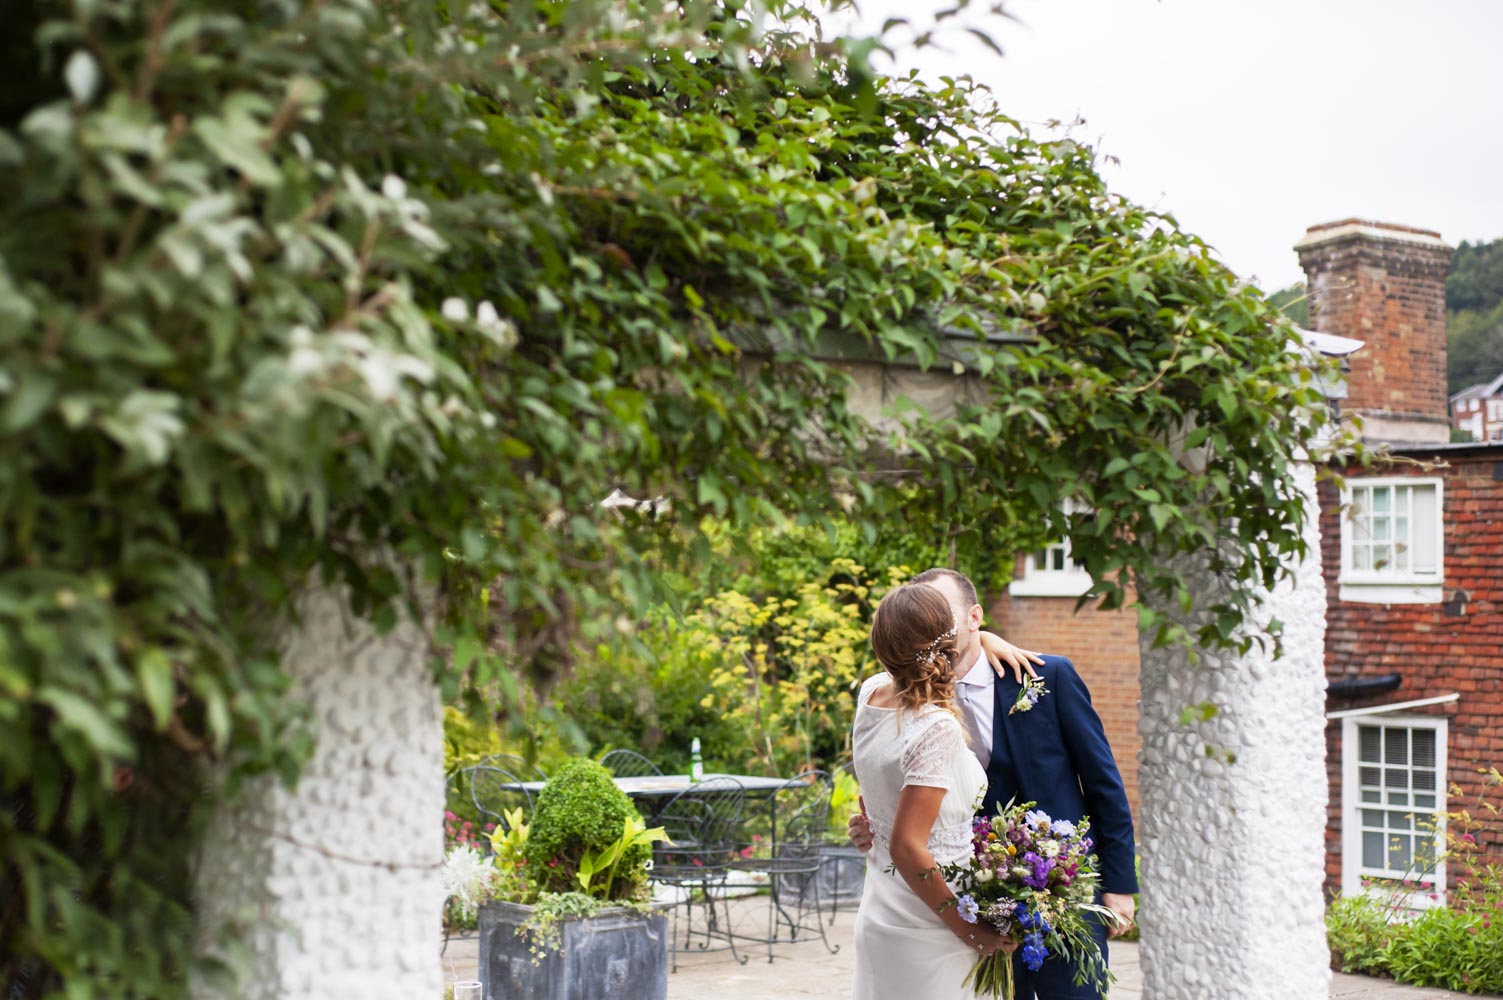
389 296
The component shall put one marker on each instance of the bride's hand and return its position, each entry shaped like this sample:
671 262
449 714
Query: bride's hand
998 651
988 942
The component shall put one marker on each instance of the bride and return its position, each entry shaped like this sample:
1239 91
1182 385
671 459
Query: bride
921 787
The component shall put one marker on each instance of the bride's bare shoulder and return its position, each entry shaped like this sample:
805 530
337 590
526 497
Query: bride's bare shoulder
876 691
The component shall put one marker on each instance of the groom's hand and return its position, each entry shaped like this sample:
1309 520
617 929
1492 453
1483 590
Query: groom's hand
859 829
999 651
1125 907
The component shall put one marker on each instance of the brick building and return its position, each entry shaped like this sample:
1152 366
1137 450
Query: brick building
1413 560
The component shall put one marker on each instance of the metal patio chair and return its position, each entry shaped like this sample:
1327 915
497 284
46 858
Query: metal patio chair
800 813
701 823
628 764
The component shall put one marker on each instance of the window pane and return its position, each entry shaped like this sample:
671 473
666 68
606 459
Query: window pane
1398 798
1372 850
1424 852
1425 548
1396 746
1420 801
1368 796
1396 778
1372 777
1372 818
1398 853
1382 557
1059 558
1424 748
1041 560
1370 743
1382 499
1400 821
1380 530
1362 559
1424 779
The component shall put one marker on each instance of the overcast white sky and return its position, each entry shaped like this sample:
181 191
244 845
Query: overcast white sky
1251 120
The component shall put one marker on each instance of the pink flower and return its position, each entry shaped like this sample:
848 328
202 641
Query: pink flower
449 815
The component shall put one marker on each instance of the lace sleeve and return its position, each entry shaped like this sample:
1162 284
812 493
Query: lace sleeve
929 758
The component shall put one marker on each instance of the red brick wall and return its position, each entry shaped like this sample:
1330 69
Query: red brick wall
1456 646
1389 292
1103 645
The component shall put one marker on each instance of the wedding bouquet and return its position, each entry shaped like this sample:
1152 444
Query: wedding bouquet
1033 879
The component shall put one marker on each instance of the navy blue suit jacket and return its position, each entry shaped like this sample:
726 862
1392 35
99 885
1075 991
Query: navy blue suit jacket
1060 759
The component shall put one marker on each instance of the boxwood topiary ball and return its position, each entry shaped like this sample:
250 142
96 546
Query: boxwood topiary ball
580 809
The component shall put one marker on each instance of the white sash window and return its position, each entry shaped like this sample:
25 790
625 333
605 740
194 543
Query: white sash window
1392 541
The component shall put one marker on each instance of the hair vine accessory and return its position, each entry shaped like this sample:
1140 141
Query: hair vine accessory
931 649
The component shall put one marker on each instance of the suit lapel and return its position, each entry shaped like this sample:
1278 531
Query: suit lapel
1006 691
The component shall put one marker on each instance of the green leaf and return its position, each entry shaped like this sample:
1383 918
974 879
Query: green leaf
80 716
154 671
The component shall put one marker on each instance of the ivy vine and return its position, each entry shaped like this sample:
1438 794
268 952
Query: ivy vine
384 295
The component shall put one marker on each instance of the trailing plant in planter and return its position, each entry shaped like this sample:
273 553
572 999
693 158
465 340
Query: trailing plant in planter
585 851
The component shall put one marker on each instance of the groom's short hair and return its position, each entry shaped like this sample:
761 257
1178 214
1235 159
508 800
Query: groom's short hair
962 582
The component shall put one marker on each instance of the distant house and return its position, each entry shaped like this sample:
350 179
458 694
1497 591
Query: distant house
1479 410
1412 553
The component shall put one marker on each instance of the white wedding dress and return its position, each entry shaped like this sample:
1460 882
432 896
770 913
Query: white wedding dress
903 951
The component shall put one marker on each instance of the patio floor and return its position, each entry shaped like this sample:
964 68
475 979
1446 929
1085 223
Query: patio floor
806 969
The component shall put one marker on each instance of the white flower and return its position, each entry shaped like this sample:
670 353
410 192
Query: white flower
486 316
467 877
384 370
394 187
456 310
985 875
1049 849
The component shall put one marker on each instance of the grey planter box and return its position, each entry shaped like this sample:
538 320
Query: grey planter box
842 875
617 954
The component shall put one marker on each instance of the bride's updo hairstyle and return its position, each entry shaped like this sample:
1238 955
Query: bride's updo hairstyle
913 634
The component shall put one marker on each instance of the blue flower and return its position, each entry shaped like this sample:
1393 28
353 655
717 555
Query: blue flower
1034 951
1063 828
1035 818
1031 920
967 908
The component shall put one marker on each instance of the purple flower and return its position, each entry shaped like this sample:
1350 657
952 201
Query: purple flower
1035 818
1041 866
967 908
1063 828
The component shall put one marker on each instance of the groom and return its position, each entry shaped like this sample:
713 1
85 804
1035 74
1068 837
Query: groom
1055 754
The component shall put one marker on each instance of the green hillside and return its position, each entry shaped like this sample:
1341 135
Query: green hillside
1474 313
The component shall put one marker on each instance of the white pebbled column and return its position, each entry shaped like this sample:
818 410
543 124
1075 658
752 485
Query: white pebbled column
1232 842
331 889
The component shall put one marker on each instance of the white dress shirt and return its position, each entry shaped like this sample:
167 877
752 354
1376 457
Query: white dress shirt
976 701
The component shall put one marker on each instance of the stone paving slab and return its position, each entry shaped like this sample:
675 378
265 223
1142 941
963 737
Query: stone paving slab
806 970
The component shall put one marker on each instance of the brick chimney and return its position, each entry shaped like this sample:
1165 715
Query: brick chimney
1385 285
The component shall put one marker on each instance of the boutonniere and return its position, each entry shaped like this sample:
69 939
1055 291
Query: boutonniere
1033 690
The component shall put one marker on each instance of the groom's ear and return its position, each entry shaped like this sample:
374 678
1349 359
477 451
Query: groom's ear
975 617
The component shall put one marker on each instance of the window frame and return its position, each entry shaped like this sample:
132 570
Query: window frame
1353 872
1392 586
1070 581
